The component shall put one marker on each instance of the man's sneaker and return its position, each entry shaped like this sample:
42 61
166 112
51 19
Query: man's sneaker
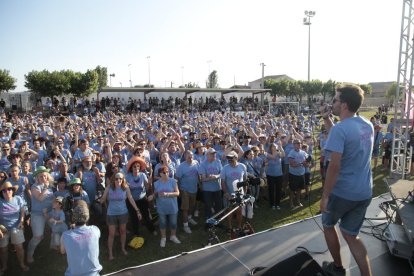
162 242
174 239
187 229
331 269
192 221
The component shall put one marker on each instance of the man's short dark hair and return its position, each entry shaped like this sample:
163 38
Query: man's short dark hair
352 95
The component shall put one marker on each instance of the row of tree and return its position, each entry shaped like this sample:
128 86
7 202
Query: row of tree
58 83
297 89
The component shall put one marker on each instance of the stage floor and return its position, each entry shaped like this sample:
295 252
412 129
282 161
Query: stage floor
264 249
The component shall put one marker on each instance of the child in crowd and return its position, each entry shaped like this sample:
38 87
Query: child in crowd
56 220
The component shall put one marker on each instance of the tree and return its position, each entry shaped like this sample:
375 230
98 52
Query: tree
212 81
7 82
328 89
102 77
82 85
40 83
390 94
312 88
279 87
367 88
296 89
58 83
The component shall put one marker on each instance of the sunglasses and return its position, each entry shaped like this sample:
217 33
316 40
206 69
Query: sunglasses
8 189
6 149
118 178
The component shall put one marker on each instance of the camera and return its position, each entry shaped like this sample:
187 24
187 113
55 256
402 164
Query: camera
243 183
309 159
68 203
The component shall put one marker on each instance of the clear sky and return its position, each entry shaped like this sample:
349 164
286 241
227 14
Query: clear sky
354 40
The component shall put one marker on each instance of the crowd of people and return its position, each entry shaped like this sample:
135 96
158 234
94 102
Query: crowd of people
120 166
157 104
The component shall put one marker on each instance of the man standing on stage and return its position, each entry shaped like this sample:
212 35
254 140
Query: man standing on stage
348 186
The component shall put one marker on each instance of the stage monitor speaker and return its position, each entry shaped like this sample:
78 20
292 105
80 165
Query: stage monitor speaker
301 264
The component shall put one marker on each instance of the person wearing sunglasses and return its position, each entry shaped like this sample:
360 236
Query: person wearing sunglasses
140 189
4 161
347 191
12 212
166 192
115 196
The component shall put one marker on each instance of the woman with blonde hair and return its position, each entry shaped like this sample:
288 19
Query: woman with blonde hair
115 195
42 199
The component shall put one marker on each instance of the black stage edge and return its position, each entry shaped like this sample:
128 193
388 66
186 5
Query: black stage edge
264 249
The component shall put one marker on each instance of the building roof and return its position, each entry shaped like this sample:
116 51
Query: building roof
147 90
380 85
275 77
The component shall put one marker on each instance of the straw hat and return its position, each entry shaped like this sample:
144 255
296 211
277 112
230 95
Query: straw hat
135 159
7 185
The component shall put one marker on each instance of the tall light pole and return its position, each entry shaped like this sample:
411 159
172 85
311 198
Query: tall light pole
149 71
262 84
110 78
130 80
307 21
120 83
182 76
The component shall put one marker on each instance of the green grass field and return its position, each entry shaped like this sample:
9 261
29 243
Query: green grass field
48 262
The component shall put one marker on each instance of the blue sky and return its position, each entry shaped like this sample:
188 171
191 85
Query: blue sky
356 41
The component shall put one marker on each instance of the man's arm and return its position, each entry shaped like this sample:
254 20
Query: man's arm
331 176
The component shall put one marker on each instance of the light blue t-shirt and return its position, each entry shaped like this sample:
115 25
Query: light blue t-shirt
188 176
82 250
137 185
116 202
10 212
209 168
232 175
274 166
38 206
353 138
166 205
299 157
58 227
89 184
22 187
